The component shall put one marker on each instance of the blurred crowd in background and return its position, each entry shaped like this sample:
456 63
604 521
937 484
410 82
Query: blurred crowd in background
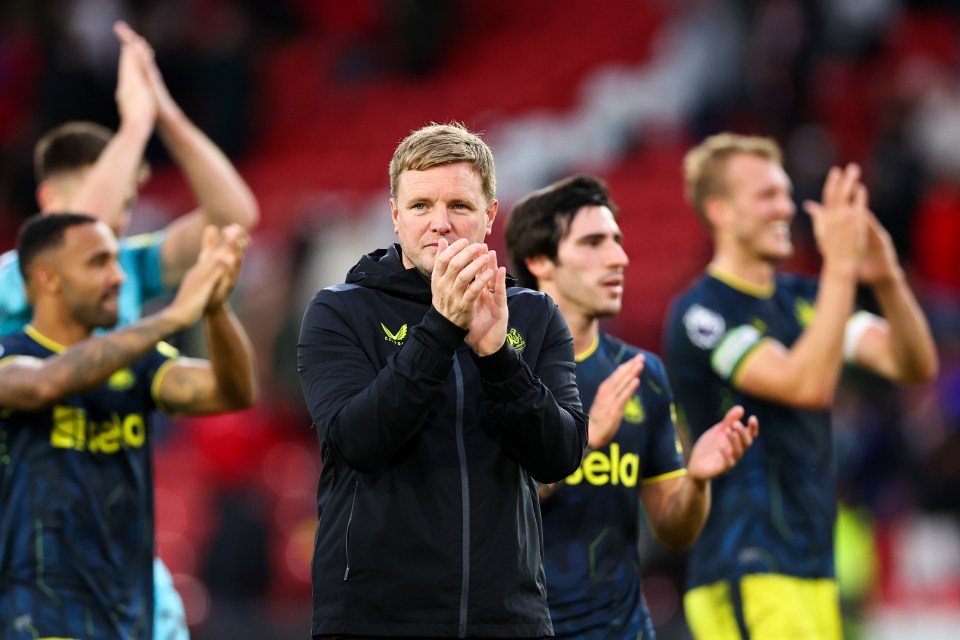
310 97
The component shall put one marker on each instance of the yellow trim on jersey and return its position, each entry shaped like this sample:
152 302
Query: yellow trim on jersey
740 284
664 476
155 385
590 350
709 612
736 343
740 368
167 349
43 340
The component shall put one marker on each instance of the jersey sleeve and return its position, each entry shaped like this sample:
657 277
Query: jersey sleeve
701 337
144 260
729 357
663 458
6 357
158 362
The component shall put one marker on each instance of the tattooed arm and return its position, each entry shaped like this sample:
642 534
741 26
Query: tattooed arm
28 383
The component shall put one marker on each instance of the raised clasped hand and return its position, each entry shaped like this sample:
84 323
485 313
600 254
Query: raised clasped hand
840 222
879 263
469 289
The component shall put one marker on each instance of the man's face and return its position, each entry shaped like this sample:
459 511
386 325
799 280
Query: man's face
587 276
62 197
760 207
445 201
89 274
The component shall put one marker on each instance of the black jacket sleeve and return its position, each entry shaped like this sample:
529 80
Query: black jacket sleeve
366 413
541 420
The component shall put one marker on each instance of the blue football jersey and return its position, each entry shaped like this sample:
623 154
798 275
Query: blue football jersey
592 523
774 512
76 506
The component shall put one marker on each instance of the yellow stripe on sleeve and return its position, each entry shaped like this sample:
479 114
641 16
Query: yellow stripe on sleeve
678 473
741 366
155 385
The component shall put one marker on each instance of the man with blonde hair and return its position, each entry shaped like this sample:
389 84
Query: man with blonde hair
744 334
441 398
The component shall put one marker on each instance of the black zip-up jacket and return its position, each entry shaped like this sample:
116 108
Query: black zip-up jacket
429 517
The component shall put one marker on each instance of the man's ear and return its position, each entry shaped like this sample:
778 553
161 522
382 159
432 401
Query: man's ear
46 195
716 209
492 215
44 277
541 267
394 212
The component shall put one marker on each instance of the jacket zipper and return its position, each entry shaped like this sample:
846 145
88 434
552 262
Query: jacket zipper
465 498
346 536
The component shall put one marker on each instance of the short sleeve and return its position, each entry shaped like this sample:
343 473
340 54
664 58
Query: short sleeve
663 458
157 363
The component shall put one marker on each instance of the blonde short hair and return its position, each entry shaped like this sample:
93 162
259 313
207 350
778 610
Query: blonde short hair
704 165
439 144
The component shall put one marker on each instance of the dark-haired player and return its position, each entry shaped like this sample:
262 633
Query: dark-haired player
565 240
76 523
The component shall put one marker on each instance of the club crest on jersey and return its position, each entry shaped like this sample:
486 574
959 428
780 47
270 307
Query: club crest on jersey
633 412
805 312
516 340
396 338
704 327
121 380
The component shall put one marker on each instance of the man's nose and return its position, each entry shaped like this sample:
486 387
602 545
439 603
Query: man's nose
786 206
616 255
440 220
117 275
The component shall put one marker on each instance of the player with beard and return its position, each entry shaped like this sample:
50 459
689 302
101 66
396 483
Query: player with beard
76 527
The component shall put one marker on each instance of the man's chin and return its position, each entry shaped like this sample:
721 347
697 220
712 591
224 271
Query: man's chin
107 321
781 254
420 262
607 310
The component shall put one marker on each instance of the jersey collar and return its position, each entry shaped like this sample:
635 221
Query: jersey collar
43 340
741 285
580 357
